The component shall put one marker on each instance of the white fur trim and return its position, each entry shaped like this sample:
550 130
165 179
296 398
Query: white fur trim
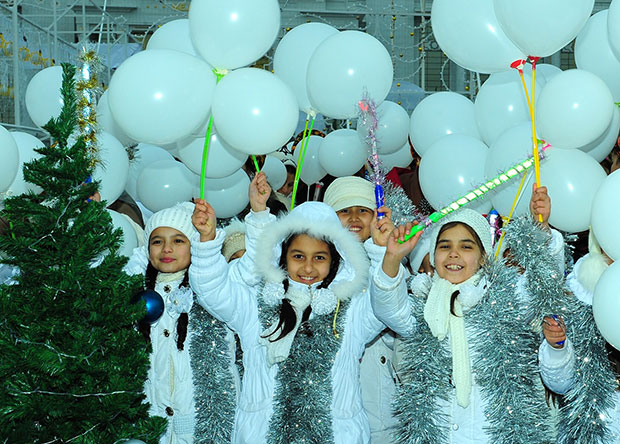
320 221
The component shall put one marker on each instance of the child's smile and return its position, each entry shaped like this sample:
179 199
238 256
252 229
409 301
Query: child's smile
169 250
308 260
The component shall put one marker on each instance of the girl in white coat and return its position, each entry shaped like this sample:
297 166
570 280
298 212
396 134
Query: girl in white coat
591 383
467 374
303 330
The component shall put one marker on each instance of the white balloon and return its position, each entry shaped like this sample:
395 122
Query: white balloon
572 178
469 33
130 237
544 73
26 143
233 33
339 73
605 215
511 147
229 195
439 115
593 53
292 55
613 27
342 153
106 122
144 154
173 35
164 183
542 28
160 96
254 111
9 159
606 304
311 170
574 108
401 158
392 128
451 168
601 147
501 103
222 160
43 98
275 171
112 169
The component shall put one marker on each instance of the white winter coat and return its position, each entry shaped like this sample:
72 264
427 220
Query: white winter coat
557 366
238 306
392 305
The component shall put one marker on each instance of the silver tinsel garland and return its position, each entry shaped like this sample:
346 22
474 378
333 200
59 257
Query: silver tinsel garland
503 360
214 385
303 391
582 417
403 210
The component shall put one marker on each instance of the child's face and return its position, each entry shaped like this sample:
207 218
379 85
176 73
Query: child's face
357 220
169 250
287 188
457 255
308 259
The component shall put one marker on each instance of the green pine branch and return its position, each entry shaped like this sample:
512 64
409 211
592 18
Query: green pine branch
73 367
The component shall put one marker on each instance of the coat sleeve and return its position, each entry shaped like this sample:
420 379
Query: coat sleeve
557 366
138 261
243 270
391 302
228 300
556 249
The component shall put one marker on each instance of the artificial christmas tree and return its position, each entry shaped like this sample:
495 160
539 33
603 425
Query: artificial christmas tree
73 366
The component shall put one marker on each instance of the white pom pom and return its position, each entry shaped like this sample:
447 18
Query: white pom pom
421 284
324 301
470 295
273 293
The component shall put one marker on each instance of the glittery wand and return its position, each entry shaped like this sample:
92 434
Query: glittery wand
368 119
473 195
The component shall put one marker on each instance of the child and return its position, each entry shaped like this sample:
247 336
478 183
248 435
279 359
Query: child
595 375
193 380
353 199
467 373
303 330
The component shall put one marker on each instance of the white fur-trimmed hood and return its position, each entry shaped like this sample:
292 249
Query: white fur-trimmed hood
318 220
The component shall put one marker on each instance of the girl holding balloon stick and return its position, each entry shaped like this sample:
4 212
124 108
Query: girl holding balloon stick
192 381
469 331
576 361
303 329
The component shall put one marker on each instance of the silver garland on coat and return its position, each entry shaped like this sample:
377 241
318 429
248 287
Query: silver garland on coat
214 385
303 389
583 417
503 360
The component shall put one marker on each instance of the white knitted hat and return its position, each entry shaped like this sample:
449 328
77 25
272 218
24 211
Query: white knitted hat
350 191
235 238
474 220
178 217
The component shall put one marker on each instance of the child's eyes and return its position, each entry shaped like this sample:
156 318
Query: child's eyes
320 258
298 256
179 241
344 211
364 210
156 242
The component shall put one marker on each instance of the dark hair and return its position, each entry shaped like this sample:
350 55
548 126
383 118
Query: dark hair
288 318
150 279
476 240
290 169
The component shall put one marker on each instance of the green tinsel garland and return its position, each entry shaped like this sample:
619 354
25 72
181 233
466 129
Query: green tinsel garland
303 390
214 385
503 358
581 416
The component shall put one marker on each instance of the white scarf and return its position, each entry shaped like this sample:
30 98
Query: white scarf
442 323
169 277
323 301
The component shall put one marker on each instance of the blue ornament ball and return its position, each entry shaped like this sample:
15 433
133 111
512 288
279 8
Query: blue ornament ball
154 304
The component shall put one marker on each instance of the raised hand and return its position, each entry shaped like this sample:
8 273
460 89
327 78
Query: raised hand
540 203
396 251
204 220
381 229
259 192
554 331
